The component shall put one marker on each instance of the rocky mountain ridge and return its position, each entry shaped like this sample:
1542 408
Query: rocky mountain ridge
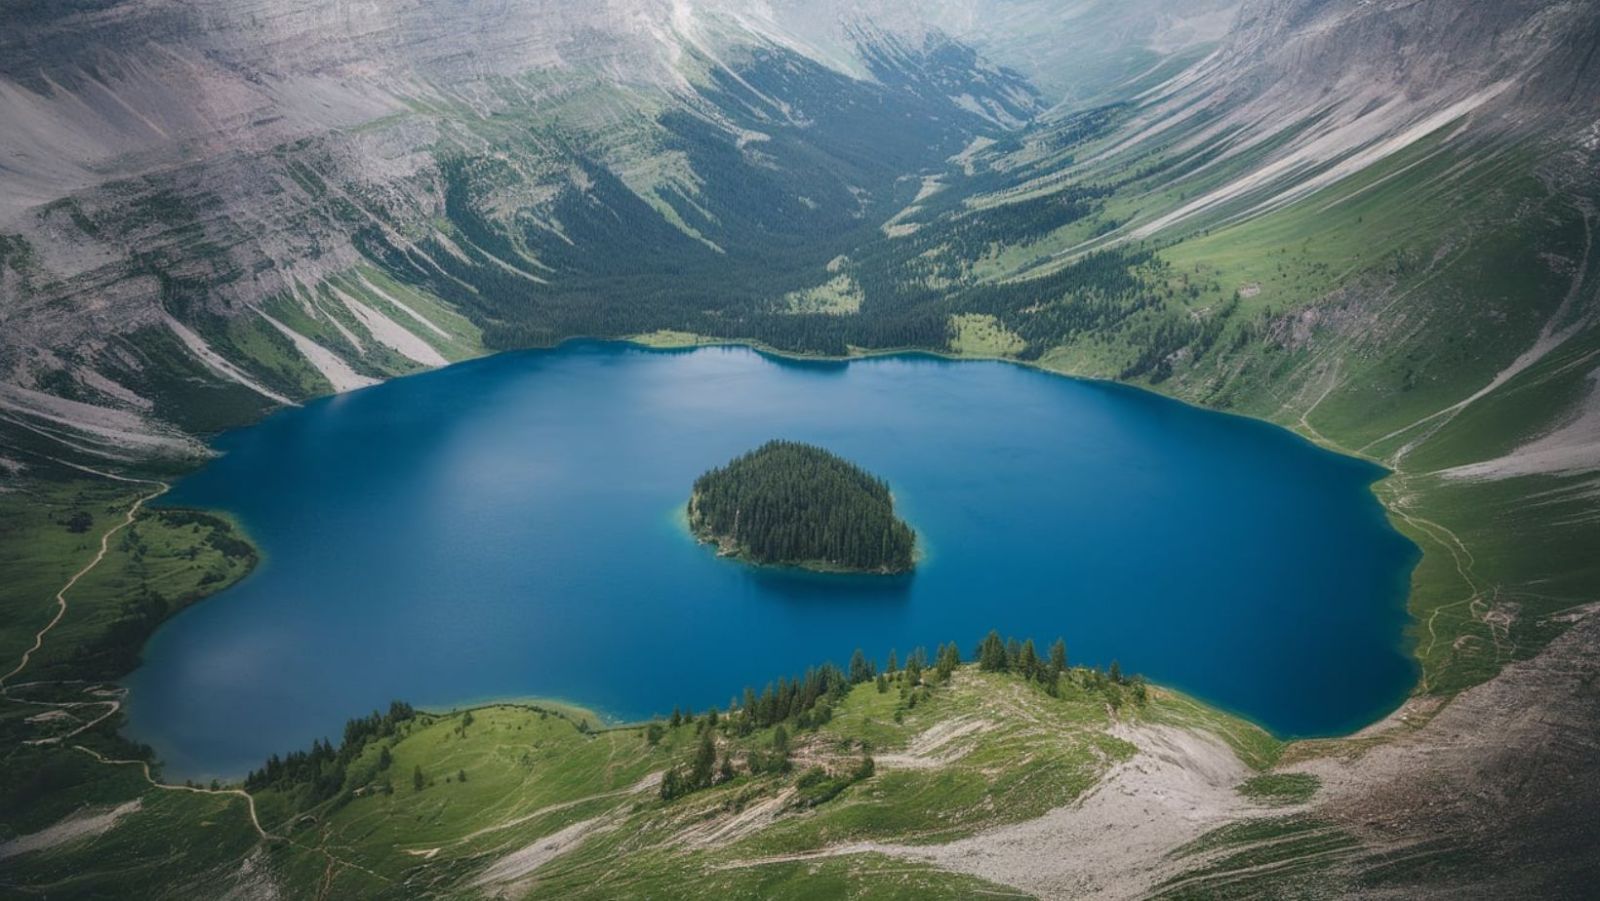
200 205
166 162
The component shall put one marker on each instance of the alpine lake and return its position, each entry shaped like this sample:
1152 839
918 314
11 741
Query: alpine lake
513 527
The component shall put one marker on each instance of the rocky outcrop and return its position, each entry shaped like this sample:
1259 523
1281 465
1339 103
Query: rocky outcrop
214 166
1331 87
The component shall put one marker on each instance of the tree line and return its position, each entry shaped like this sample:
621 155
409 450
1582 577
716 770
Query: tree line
807 704
787 706
324 768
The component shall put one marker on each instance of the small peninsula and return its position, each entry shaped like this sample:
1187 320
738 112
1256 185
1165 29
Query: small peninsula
793 504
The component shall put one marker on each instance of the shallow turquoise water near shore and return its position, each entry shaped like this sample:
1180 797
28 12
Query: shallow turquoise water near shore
507 527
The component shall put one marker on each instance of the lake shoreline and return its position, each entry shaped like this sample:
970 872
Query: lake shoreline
899 377
690 342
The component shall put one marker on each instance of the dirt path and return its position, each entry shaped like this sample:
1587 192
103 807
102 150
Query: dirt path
334 862
112 704
1464 563
1332 380
105 548
58 710
144 767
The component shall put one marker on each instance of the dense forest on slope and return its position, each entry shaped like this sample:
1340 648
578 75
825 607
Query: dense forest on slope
792 503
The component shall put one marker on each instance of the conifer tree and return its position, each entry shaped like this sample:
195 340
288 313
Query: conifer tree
704 759
1028 661
793 503
1058 664
671 784
1114 696
860 669
992 654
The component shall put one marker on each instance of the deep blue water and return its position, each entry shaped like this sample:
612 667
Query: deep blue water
510 527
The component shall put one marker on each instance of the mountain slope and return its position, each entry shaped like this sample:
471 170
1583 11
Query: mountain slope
1394 261
212 188
1371 221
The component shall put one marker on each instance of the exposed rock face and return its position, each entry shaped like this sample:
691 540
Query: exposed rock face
140 87
1335 86
1419 47
99 90
214 165
171 162
1501 780
1075 51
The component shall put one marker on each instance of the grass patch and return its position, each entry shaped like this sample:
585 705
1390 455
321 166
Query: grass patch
1280 789
982 335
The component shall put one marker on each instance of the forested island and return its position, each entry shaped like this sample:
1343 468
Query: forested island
788 503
